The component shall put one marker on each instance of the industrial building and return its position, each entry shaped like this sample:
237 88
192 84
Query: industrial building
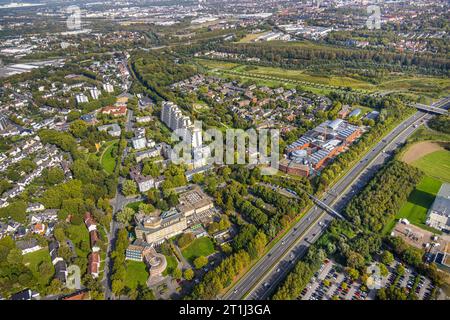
310 153
439 213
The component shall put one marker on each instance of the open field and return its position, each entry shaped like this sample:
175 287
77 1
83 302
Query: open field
436 165
419 150
34 259
428 86
107 159
199 247
415 85
250 37
136 274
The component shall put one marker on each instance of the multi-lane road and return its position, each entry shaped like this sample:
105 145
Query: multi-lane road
267 273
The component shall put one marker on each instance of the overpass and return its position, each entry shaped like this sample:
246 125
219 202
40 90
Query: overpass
431 109
439 107
326 207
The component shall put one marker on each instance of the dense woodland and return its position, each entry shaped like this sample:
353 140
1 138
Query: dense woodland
305 55
382 197
440 123
247 205
157 71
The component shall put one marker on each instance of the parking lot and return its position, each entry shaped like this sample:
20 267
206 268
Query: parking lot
332 282
410 280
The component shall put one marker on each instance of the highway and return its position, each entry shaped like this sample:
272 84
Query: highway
266 274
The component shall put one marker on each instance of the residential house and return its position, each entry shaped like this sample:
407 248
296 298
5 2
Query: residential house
28 246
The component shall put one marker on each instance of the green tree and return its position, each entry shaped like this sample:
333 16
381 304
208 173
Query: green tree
200 262
125 215
188 274
177 274
129 188
387 257
45 269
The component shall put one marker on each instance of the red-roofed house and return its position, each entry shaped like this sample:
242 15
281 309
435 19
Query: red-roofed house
116 111
39 228
94 264
90 222
93 235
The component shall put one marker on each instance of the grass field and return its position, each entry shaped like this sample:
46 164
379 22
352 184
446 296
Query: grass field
417 205
33 259
199 247
136 274
108 160
412 85
78 233
436 165
250 37
419 201
172 264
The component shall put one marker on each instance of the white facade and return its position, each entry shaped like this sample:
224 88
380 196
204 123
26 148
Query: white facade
139 143
108 88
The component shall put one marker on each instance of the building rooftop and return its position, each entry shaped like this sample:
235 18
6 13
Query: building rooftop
441 204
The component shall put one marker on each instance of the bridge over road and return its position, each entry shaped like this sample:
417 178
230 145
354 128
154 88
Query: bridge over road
439 107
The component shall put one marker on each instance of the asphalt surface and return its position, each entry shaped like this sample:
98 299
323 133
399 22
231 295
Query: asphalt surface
118 203
264 277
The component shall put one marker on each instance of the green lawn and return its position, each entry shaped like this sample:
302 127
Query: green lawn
136 274
108 160
77 234
134 205
436 165
199 247
172 264
33 259
419 201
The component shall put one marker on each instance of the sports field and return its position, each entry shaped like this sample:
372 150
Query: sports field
435 164
419 201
